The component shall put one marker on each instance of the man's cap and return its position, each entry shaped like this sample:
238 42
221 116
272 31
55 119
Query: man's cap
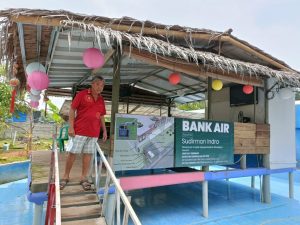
97 77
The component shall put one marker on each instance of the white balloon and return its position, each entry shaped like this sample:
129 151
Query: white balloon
35 92
35 98
35 66
285 93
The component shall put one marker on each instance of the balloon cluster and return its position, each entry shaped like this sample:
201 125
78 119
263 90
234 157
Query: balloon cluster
37 80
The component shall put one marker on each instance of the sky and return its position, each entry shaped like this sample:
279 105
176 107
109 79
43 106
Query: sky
271 25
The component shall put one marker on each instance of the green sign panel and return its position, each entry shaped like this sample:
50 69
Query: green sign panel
203 142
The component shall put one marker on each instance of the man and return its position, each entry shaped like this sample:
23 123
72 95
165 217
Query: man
85 118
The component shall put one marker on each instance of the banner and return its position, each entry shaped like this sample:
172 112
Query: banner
203 142
143 142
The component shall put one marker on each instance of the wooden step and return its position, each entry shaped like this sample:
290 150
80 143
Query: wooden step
98 221
75 188
80 212
78 199
79 206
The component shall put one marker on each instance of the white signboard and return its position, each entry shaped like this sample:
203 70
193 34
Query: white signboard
143 142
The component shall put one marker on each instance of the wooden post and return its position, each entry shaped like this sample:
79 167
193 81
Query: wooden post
266 180
209 93
38 214
291 184
127 104
253 182
243 162
205 194
115 95
29 144
266 195
228 185
169 108
254 105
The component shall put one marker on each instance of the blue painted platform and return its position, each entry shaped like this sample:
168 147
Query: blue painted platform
182 204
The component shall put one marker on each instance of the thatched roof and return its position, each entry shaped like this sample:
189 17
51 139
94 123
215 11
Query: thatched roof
52 36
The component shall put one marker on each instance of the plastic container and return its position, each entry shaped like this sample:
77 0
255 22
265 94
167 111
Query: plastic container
5 147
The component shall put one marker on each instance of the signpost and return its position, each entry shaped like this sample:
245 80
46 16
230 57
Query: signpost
203 142
148 142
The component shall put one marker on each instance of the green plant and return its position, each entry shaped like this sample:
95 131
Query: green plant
5 100
52 114
191 106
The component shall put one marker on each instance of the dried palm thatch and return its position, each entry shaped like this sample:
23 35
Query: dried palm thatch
155 38
209 60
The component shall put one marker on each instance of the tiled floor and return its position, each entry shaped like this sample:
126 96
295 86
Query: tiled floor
230 203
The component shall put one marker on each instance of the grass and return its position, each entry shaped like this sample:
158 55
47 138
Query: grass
17 152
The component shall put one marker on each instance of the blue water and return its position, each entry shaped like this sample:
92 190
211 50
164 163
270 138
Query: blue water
15 209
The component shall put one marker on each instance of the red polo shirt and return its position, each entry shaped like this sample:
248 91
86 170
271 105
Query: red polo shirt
88 112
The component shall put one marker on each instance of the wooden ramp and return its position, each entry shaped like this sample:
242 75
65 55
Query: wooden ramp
78 206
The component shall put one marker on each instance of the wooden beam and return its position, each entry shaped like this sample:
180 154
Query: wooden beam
115 96
254 52
22 44
52 50
135 108
189 68
38 20
38 41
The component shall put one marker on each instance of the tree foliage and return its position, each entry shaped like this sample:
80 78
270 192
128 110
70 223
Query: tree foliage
191 106
5 100
52 113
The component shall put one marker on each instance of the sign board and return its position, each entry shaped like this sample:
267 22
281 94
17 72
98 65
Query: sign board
143 142
203 142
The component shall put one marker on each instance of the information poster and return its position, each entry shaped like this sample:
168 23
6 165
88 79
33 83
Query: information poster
203 142
143 142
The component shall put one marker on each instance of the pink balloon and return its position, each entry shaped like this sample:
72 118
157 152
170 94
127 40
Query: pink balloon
247 89
34 104
93 58
38 80
174 78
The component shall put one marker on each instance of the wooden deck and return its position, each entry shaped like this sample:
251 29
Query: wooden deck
40 163
77 206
